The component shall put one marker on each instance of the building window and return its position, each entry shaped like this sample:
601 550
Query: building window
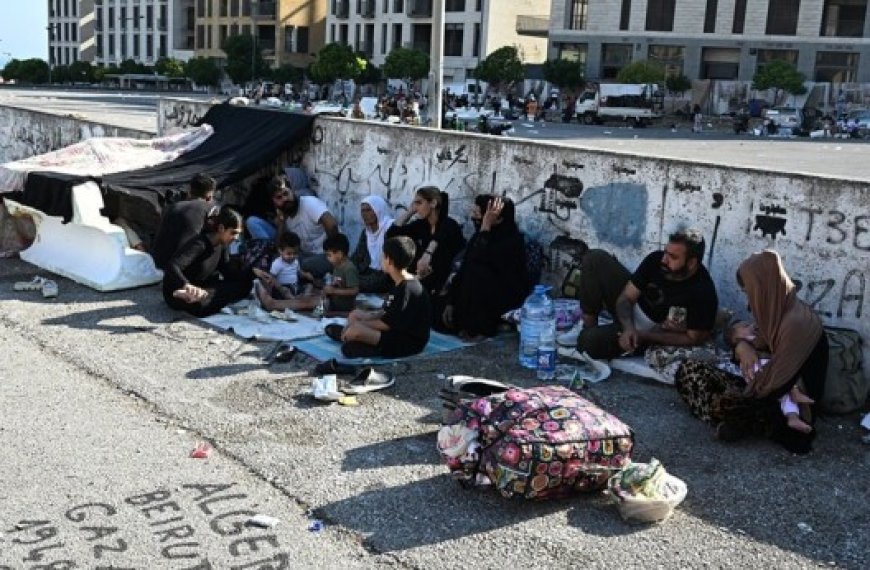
782 17
99 45
208 38
660 15
475 47
577 16
288 39
200 8
200 37
454 5
739 17
765 56
111 45
224 32
836 67
342 34
302 34
386 6
720 63
149 46
710 16
225 8
209 8
613 58
670 58
111 18
162 46
332 33
246 7
625 15
397 36
453 40
843 18
572 52
234 9
398 6
135 46
149 18
384 29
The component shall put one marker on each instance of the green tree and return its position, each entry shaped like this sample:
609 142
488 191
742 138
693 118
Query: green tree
81 72
407 64
26 71
371 73
60 74
203 71
780 76
130 66
336 61
677 85
565 74
501 67
169 67
240 51
643 71
286 74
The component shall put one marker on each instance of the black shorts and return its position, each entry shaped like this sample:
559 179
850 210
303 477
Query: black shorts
394 345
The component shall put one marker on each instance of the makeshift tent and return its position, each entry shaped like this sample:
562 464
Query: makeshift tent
91 249
245 139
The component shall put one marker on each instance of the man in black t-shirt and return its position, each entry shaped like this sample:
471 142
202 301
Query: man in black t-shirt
401 328
183 221
669 300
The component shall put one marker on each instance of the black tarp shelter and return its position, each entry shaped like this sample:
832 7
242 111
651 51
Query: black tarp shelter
245 139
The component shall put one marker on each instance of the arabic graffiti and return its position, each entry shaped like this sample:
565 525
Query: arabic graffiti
181 115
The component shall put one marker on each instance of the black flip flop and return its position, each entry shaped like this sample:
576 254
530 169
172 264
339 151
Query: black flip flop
334 331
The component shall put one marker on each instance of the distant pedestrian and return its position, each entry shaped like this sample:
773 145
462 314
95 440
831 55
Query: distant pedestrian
698 124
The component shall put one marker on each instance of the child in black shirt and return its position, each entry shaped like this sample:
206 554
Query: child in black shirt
401 328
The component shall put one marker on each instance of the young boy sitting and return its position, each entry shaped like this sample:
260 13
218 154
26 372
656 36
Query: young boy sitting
401 328
283 279
345 278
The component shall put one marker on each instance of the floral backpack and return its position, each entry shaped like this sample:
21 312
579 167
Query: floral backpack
535 443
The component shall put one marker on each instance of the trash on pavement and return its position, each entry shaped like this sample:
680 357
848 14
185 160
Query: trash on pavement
201 451
262 521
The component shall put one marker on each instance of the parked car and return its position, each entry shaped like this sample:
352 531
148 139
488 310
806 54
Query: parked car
785 118
857 123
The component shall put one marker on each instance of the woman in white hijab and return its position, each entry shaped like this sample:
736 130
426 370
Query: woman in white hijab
377 218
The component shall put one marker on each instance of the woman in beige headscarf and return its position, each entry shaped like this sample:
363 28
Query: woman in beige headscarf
791 334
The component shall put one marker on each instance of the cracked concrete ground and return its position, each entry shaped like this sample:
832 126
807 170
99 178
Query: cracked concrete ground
371 473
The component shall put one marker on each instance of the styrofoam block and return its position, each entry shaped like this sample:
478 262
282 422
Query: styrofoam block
95 255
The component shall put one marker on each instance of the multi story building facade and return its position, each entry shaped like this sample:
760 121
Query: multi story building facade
472 29
715 39
107 32
287 31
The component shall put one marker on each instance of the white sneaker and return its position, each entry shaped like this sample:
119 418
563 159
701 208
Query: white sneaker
569 337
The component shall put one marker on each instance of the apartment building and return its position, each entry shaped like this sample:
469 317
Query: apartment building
107 32
472 29
828 40
286 31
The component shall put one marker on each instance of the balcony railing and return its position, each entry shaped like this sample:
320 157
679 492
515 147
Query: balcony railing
419 8
537 26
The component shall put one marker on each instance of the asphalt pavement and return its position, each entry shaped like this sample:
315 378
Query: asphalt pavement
103 395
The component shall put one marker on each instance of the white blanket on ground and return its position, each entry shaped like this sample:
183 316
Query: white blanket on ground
104 155
271 328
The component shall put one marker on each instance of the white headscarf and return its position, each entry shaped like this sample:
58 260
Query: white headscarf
375 239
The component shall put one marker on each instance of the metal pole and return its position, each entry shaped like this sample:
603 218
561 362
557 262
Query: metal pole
50 29
436 64
254 7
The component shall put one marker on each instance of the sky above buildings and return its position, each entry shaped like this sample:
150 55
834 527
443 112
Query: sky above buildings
22 29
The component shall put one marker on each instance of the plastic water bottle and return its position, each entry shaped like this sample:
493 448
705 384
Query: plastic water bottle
547 354
538 315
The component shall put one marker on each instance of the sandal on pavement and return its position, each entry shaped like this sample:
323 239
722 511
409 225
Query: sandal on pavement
333 366
368 380
33 285
334 331
49 289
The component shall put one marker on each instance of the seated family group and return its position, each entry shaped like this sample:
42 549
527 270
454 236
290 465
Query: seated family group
433 278
296 257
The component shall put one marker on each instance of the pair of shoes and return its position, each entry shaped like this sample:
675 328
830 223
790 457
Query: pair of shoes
569 337
368 380
334 367
334 331
33 285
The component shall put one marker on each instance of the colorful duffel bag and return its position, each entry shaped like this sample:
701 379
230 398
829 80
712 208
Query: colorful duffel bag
535 443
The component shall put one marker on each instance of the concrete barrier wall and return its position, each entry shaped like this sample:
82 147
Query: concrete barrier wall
622 203
25 133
